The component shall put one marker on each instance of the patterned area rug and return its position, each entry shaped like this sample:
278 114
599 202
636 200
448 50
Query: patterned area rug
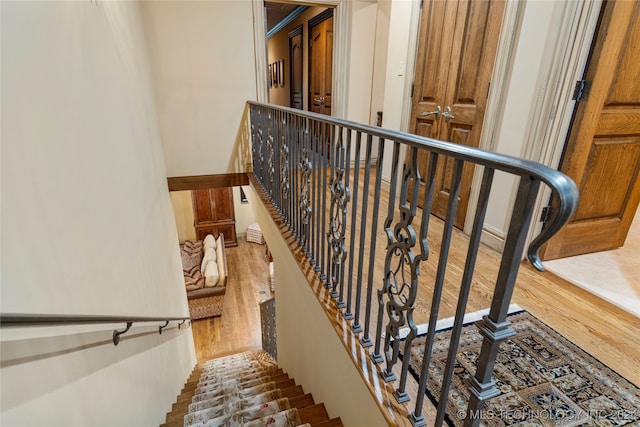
544 380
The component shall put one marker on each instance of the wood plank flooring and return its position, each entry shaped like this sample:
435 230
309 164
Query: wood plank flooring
238 329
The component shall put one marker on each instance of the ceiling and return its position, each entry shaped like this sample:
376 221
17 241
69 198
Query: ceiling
276 12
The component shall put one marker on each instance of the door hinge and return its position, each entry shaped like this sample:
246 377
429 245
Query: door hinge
581 92
421 3
412 85
546 213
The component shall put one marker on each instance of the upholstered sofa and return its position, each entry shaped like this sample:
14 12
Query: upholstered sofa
204 264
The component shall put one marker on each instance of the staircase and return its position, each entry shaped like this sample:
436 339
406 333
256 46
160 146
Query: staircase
245 389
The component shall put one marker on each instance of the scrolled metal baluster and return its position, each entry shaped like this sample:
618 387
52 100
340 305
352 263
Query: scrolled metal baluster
284 173
270 158
305 194
375 355
337 218
400 262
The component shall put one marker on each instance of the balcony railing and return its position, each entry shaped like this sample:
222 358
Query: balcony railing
312 168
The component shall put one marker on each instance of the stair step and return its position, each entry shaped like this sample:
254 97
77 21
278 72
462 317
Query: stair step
292 392
301 401
314 414
334 422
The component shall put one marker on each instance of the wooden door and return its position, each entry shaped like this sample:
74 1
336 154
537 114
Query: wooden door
213 213
320 62
602 154
295 55
457 45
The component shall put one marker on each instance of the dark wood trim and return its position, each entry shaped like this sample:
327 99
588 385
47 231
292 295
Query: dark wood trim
324 15
295 31
199 182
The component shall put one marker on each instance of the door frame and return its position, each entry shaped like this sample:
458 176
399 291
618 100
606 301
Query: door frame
551 118
341 40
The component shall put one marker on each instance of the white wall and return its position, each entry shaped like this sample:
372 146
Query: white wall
202 60
87 225
244 212
398 52
362 44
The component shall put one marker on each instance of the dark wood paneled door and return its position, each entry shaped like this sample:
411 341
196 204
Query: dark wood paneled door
602 154
213 213
320 62
296 80
457 45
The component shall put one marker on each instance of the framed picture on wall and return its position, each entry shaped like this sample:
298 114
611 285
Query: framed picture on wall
270 75
281 72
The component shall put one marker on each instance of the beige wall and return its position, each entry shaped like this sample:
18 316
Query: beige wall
202 61
87 224
183 211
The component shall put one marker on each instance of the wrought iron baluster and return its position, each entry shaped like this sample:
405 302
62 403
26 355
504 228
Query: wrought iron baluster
495 327
401 291
324 138
465 288
365 340
347 165
270 159
305 193
315 248
338 217
427 204
284 170
416 417
354 210
355 326
375 354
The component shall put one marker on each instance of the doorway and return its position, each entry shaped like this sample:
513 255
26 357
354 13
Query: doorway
300 55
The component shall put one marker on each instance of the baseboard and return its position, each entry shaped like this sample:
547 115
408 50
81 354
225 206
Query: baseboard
493 238
363 163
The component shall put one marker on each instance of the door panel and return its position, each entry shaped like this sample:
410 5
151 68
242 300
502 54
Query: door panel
296 81
602 154
320 62
456 51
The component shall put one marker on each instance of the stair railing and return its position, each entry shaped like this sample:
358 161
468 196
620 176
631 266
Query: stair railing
310 166
25 319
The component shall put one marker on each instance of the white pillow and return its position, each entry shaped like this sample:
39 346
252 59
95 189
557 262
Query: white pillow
209 256
211 275
209 241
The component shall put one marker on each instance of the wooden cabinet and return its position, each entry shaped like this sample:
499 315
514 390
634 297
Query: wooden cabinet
213 213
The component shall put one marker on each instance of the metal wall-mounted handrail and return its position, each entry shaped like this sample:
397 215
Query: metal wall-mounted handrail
27 319
310 165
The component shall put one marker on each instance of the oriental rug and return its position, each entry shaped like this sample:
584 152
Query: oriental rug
543 378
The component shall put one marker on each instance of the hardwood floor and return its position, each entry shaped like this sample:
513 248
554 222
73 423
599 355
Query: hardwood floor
238 328
605 331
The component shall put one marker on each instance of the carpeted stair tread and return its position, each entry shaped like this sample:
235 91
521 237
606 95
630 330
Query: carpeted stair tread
236 413
227 387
